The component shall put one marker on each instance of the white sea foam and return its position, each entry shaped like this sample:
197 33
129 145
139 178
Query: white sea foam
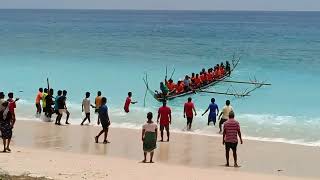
260 127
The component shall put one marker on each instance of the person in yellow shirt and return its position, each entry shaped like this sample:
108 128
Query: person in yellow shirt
98 102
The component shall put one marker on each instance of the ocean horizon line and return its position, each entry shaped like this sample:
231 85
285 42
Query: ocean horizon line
164 10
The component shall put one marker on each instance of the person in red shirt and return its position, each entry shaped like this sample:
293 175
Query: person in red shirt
12 106
128 102
188 112
231 131
164 115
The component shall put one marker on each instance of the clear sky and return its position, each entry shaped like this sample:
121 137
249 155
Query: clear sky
309 5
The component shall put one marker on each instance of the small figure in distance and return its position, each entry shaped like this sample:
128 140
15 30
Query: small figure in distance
128 102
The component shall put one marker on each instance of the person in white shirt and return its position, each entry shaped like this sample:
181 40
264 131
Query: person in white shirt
86 107
149 138
225 114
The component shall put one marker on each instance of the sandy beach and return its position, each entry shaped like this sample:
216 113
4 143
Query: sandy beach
69 152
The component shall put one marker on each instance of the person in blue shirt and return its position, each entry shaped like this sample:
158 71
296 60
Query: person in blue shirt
56 106
104 120
214 110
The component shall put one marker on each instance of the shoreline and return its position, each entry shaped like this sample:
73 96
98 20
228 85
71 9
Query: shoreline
186 150
193 132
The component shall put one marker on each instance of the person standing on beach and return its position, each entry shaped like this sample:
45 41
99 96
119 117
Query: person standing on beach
214 110
164 115
188 112
2 101
86 108
231 131
6 126
12 106
225 114
105 121
38 99
97 103
128 102
149 138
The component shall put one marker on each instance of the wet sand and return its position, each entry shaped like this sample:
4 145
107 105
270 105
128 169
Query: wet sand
184 151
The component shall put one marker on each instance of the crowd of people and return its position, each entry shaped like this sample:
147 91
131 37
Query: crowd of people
48 104
195 81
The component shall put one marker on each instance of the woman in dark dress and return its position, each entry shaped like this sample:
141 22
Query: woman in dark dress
6 122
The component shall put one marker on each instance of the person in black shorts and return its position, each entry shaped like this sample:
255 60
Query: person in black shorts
49 103
104 120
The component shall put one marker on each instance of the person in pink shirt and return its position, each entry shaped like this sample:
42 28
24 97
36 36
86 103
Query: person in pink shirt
188 112
231 131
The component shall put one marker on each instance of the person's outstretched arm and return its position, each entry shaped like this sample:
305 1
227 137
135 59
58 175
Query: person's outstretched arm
195 112
205 112
158 117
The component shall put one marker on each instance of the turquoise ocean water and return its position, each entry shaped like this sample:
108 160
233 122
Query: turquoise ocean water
91 50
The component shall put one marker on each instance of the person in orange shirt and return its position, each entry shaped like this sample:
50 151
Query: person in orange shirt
38 99
180 87
203 78
210 75
198 81
171 86
193 77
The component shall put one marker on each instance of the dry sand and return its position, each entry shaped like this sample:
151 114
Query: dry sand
69 152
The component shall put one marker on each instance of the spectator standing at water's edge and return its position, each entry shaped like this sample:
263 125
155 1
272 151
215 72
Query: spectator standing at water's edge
6 126
149 138
231 131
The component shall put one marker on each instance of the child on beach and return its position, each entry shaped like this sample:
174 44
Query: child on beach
105 121
149 138
86 107
128 102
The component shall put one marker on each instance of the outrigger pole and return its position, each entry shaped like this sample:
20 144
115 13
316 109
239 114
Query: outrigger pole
228 94
246 82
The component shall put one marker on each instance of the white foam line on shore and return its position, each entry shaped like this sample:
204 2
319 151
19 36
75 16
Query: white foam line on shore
199 132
